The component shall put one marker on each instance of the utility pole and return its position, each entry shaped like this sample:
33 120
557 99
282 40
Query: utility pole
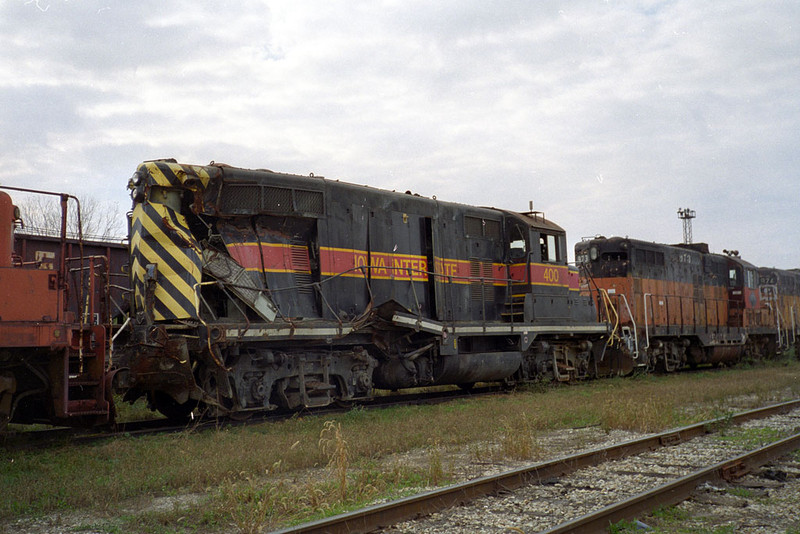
687 215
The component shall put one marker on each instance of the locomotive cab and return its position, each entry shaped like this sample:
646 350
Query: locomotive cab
743 294
542 288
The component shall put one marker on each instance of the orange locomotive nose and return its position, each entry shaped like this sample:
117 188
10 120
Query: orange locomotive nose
8 214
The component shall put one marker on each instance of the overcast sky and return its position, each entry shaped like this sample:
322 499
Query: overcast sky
608 115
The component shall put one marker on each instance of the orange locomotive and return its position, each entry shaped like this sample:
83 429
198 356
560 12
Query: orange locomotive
675 305
53 327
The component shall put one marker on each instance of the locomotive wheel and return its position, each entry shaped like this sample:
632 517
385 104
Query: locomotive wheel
670 362
173 410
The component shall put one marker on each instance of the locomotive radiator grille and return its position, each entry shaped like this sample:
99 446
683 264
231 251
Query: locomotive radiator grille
241 199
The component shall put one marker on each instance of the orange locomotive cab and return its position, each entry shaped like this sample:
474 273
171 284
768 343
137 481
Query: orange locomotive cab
745 310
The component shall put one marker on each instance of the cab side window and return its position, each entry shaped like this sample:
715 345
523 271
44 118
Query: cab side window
548 246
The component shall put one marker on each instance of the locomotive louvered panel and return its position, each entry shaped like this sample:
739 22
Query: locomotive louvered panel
237 198
491 229
481 285
301 265
309 201
161 237
473 226
277 200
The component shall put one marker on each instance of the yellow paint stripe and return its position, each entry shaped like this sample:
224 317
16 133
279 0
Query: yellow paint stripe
165 268
351 274
180 285
169 301
158 234
157 175
348 250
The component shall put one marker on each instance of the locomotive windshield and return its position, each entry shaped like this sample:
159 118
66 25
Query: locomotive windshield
517 246
734 277
604 258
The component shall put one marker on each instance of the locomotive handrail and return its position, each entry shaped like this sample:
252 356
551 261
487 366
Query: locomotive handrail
113 338
705 313
364 269
635 334
609 305
646 327
778 317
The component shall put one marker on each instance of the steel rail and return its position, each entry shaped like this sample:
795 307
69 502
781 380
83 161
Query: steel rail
677 491
387 514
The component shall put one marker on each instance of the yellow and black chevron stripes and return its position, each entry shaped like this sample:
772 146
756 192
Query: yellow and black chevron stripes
160 236
168 174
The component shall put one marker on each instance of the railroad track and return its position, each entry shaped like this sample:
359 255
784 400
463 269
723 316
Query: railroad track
61 435
587 491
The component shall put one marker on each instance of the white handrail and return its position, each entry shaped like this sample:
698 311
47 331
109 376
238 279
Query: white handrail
646 326
633 321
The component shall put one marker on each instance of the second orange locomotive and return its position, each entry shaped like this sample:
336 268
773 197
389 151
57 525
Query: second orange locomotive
676 305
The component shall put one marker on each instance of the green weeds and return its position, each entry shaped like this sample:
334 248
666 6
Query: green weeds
752 438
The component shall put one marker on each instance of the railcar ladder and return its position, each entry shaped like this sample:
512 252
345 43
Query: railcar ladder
83 381
80 387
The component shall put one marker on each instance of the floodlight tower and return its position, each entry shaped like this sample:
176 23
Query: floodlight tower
687 215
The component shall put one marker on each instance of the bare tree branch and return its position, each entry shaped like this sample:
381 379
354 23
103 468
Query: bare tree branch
41 215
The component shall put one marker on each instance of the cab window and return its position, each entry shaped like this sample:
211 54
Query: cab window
734 277
549 248
517 246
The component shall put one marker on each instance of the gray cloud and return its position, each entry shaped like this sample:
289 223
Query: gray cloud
609 115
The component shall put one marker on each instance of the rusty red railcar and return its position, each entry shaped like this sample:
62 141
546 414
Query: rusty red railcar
55 319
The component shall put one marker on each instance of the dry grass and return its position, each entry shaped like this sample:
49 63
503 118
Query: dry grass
516 437
253 474
436 471
334 447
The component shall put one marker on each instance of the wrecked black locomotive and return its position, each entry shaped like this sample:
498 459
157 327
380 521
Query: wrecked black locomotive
255 290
